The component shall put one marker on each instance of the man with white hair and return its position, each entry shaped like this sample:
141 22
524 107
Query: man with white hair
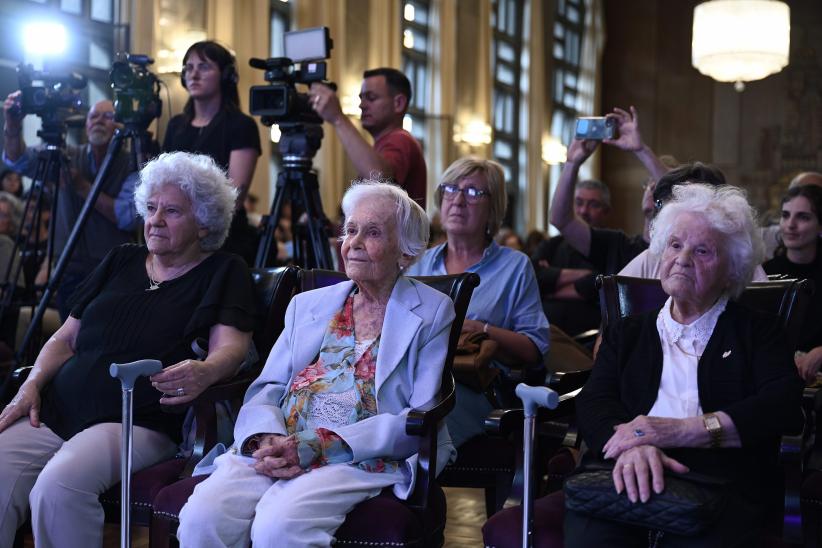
103 229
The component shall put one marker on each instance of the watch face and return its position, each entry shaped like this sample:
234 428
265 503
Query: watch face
712 423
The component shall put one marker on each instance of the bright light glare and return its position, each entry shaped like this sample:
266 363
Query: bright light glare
44 38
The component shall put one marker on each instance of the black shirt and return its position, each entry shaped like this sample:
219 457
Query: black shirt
811 335
122 322
611 249
572 316
227 131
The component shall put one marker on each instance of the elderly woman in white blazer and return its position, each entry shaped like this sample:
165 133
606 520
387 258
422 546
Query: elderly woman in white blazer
323 427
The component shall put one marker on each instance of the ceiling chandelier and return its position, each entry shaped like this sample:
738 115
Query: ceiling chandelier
740 40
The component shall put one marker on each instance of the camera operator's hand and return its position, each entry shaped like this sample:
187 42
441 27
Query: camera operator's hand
580 150
325 102
630 139
628 136
12 114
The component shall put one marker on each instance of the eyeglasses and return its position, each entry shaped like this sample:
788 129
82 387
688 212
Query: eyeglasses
472 195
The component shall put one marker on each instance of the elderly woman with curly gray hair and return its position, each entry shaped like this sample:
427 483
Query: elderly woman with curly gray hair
704 385
60 435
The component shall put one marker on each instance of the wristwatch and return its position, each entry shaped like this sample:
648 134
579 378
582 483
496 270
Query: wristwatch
714 428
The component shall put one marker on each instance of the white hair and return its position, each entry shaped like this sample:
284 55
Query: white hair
726 210
412 223
205 184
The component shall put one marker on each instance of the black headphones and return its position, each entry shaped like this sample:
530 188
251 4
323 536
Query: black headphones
228 76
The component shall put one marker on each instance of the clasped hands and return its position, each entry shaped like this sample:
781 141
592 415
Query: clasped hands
277 457
640 463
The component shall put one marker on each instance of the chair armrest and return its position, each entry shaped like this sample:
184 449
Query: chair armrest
502 422
205 414
424 422
20 374
565 382
423 419
13 383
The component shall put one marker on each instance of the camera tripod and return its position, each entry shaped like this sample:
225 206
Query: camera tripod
140 140
298 184
51 166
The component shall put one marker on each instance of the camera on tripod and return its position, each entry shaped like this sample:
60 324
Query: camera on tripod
57 92
136 91
280 102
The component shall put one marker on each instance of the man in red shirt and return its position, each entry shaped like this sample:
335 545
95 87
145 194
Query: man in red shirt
384 100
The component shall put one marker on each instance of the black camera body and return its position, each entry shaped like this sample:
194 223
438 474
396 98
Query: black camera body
58 92
136 91
280 102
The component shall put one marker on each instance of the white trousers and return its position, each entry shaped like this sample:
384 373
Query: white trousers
61 480
237 505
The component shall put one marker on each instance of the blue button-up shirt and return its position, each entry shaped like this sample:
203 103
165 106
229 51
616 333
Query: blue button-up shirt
507 296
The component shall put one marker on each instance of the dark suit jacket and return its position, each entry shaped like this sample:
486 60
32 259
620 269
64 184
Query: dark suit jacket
747 371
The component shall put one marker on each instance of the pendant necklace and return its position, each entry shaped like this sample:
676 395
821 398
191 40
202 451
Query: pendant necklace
153 284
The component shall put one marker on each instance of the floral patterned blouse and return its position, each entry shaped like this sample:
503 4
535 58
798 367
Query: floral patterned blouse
336 390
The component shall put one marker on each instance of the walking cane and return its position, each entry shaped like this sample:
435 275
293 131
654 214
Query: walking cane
533 397
128 373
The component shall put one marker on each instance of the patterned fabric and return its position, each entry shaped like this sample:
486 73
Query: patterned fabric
338 389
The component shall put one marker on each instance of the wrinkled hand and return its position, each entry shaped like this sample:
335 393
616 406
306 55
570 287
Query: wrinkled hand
808 364
641 468
190 375
580 150
13 117
277 457
656 431
472 326
26 402
628 136
325 102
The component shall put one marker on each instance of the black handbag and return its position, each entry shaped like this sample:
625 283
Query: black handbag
688 505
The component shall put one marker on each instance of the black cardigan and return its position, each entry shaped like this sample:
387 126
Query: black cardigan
747 371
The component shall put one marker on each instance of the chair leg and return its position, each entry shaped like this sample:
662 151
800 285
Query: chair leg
491 501
161 534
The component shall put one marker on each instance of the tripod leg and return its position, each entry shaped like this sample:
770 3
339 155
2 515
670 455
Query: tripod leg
268 242
317 222
74 235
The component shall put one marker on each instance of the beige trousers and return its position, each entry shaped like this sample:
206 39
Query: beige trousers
61 480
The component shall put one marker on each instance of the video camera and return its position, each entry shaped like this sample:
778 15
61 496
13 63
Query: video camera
57 92
136 90
280 102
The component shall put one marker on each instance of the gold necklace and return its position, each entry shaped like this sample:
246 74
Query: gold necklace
153 284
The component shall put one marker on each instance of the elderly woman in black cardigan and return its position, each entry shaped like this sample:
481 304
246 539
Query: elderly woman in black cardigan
703 385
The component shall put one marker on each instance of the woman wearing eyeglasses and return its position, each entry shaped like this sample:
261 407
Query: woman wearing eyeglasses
471 199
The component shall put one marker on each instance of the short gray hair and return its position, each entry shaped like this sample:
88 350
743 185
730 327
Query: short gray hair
413 226
205 184
16 209
593 184
726 210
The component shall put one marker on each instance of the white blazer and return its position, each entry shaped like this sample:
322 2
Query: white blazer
413 346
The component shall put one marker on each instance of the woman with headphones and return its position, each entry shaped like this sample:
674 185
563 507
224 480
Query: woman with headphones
212 124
